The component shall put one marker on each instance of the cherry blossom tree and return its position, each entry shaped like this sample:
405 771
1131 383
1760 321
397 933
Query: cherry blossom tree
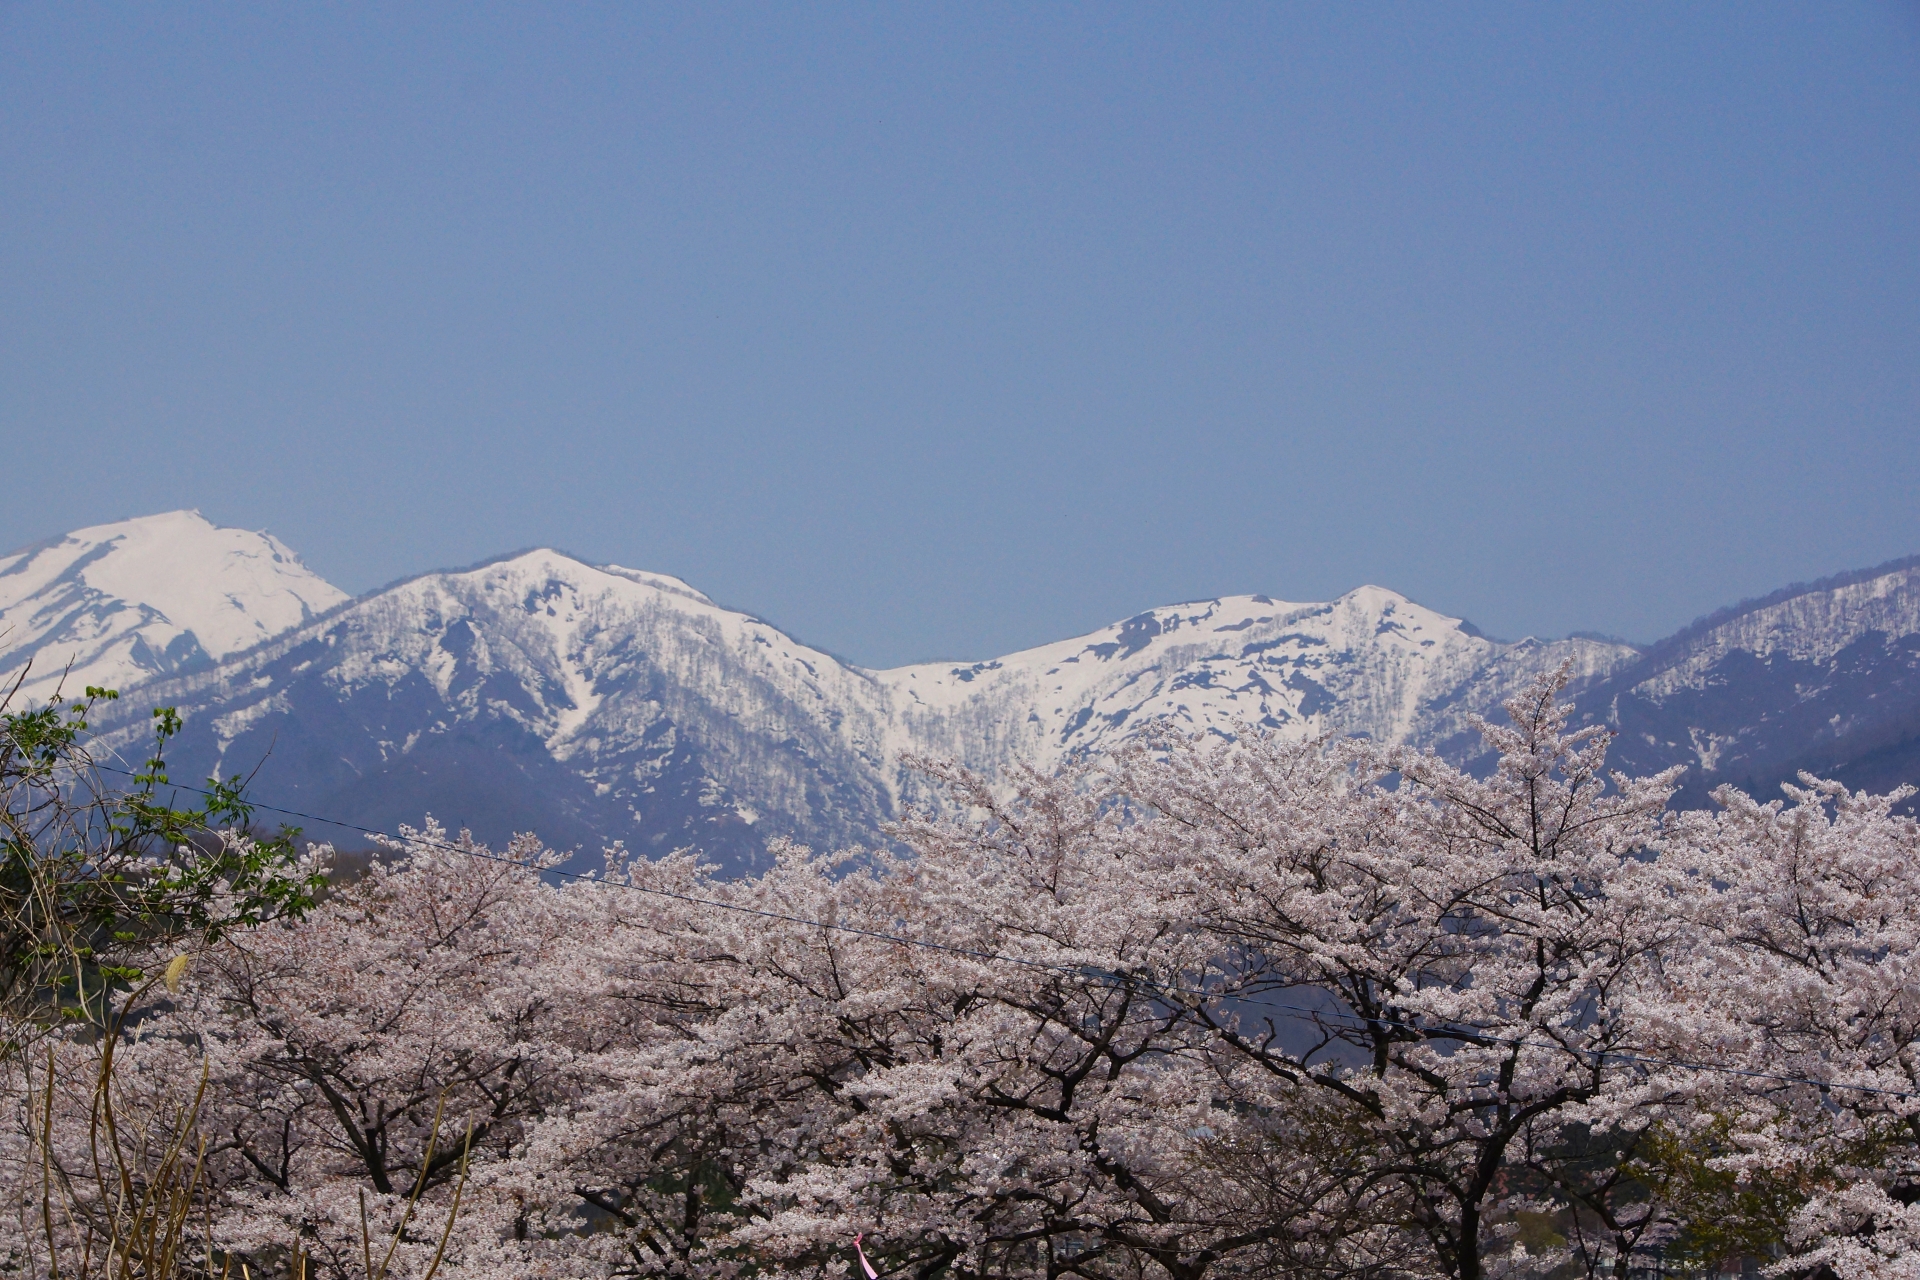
1471 961
373 1067
1207 1009
1809 999
1023 1093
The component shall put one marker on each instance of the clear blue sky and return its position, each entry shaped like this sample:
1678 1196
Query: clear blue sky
941 331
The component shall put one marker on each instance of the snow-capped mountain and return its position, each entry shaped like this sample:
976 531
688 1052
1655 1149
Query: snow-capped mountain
121 603
1823 677
538 693
597 703
592 704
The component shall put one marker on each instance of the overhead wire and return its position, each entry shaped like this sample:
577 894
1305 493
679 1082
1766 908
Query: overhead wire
1442 1031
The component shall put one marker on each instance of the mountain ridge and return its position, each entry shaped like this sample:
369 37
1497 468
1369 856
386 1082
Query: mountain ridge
1823 677
599 703
1706 623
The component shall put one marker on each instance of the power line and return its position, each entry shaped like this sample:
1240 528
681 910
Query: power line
1464 1034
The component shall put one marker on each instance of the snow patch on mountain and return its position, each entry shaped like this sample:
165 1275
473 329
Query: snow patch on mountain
1822 677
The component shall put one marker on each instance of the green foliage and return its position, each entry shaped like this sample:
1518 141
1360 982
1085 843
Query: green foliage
1539 1232
97 873
1721 1215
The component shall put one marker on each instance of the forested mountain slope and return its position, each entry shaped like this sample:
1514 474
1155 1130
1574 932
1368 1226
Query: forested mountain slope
1823 677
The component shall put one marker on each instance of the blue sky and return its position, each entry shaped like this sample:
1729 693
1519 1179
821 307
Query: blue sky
941 331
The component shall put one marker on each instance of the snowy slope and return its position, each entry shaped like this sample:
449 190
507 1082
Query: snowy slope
1371 662
124 602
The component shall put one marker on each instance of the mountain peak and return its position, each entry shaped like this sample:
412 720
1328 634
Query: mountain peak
116 603
535 562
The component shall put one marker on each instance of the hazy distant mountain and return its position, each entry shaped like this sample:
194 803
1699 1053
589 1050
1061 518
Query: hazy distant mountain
125 602
1823 677
592 704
